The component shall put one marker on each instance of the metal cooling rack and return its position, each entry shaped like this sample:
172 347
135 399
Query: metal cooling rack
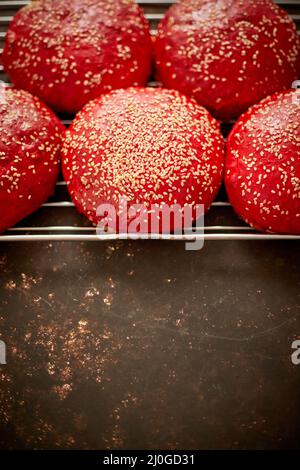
57 220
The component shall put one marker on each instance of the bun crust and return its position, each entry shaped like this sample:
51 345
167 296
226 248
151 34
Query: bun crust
150 146
30 142
227 54
262 174
68 52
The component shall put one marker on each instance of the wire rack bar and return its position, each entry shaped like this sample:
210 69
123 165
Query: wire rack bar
63 204
5 20
114 237
72 228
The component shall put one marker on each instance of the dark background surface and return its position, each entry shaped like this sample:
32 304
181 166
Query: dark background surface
131 345
142 344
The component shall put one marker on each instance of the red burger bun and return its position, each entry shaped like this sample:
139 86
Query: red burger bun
227 54
68 52
150 146
262 174
30 141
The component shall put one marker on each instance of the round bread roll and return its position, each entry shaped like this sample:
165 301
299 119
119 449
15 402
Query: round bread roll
30 142
227 54
263 164
68 52
149 146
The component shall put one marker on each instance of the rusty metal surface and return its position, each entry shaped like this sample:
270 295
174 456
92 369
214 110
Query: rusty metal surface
144 345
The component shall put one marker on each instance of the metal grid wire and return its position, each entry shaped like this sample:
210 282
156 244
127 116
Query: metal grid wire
57 220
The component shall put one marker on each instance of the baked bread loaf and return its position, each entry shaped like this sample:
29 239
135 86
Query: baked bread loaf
68 52
30 142
263 164
149 146
227 54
